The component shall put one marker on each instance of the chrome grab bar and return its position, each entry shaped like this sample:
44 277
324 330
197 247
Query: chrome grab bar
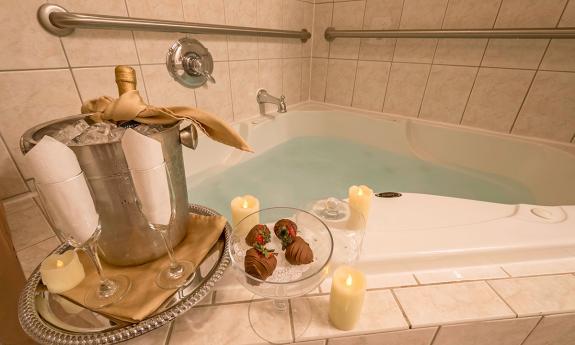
58 21
331 33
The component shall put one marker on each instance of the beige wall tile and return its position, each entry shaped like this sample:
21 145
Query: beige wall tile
508 53
318 79
419 14
533 268
94 82
244 85
152 46
423 14
538 295
447 92
292 80
271 79
496 98
568 18
549 107
209 12
471 14
11 182
241 13
24 43
33 97
418 50
204 11
217 98
99 47
305 79
460 274
322 20
529 13
500 332
560 56
292 20
347 15
340 81
32 256
451 303
27 224
163 90
370 84
380 14
405 88
269 15
380 314
554 330
410 337
455 51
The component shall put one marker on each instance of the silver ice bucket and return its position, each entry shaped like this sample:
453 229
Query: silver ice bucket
126 238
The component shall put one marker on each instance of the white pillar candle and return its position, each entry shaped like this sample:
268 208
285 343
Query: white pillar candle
242 206
359 203
62 272
346 297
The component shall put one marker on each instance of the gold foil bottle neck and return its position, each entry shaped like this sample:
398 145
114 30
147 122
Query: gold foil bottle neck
125 79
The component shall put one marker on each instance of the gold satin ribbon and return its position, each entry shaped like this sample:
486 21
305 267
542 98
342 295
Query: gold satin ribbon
131 106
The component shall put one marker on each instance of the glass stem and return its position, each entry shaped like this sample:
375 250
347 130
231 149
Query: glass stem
166 237
107 287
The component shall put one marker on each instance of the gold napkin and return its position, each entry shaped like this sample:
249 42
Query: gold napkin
131 106
145 296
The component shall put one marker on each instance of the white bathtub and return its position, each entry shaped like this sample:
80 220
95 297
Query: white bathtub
421 231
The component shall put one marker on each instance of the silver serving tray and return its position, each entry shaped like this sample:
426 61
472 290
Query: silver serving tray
51 319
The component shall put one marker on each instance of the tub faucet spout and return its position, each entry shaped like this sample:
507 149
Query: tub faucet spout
264 97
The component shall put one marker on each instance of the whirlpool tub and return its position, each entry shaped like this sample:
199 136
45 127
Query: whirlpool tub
469 197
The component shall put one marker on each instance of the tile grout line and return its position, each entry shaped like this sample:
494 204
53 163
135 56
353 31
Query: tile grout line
562 13
479 65
502 299
529 88
170 330
392 58
357 60
532 330
431 64
505 271
409 325
187 35
328 56
435 334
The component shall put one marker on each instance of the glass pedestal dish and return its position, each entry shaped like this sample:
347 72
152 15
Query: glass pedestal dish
287 281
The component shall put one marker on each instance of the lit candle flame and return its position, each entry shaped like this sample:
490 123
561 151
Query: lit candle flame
349 280
245 204
59 263
360 191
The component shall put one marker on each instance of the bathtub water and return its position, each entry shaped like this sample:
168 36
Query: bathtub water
470 197
310 168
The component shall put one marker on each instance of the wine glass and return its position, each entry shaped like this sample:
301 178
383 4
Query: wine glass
157 203
287 281
71 212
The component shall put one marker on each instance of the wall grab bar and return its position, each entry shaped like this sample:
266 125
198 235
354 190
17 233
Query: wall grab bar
331 33
58 21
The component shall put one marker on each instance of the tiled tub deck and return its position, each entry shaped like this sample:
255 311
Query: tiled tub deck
515 304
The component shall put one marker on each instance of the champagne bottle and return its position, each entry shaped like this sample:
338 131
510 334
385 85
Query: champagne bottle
125 79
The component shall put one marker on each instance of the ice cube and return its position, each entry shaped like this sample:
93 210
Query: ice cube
99 133
67 133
